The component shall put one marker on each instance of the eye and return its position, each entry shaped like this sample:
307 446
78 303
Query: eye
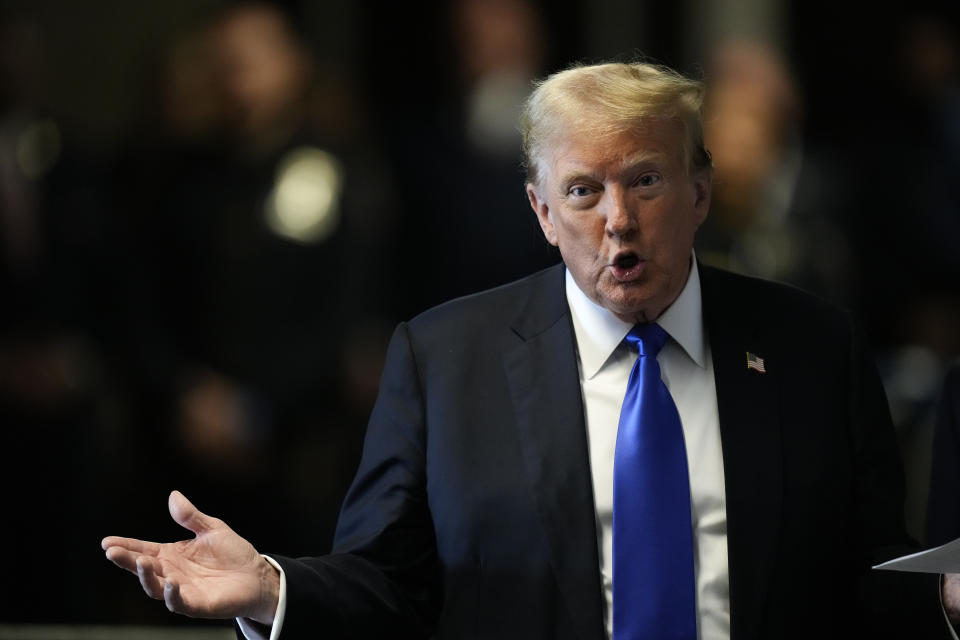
648 179
580 191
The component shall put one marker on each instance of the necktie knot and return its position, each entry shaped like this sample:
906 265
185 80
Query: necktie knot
648 338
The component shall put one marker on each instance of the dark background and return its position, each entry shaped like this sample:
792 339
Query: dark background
157 331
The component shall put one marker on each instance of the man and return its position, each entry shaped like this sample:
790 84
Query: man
484 505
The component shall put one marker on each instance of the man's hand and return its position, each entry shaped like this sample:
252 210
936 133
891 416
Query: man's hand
218 574
951 597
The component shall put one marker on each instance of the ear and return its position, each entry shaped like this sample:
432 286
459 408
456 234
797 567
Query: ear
542 210
702 190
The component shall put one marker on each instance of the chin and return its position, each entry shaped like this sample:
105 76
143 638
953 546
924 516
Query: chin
630 309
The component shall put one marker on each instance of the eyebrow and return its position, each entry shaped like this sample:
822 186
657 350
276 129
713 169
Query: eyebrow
629 165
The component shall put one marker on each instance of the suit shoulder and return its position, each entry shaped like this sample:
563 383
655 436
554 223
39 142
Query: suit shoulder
491 307
774 302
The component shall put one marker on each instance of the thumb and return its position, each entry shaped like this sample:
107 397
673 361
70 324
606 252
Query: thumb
187 515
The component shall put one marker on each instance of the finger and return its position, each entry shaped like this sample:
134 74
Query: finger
187 515
123 558
151 582
131 544
173 599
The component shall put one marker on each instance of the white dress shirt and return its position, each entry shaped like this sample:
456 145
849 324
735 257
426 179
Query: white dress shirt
687 370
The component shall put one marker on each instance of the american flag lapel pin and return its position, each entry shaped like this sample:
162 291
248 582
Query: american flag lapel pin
755 362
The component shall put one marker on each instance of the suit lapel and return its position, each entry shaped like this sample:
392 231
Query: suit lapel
747 402
545 388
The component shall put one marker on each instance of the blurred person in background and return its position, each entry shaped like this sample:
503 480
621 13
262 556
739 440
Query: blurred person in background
943 511
930 333
459 160
910 260
776 204
262 217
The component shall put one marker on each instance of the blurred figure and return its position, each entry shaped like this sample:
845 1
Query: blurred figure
924 255
264 73
770 214
263 230
943 512
460 159
911 264
500 46
754 112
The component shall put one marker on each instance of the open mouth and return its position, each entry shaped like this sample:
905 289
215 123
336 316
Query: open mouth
626 261
626 266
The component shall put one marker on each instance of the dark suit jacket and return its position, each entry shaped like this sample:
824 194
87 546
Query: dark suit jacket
472 512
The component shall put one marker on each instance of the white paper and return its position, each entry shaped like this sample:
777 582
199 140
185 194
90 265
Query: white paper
942 559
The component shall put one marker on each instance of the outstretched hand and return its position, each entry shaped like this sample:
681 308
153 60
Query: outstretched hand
217 574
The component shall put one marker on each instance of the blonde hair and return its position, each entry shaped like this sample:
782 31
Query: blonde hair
611 97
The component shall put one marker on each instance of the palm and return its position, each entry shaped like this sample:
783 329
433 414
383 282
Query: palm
213 570
217 574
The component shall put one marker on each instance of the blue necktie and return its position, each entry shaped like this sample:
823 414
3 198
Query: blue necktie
654 595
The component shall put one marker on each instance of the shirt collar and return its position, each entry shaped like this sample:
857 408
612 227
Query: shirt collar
599 332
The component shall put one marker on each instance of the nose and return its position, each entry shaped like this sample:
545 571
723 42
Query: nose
620 215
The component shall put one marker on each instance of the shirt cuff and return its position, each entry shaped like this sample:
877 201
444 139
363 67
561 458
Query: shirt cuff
253 630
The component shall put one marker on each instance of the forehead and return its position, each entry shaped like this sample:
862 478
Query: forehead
590 148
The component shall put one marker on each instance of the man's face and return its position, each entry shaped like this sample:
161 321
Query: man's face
623 210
